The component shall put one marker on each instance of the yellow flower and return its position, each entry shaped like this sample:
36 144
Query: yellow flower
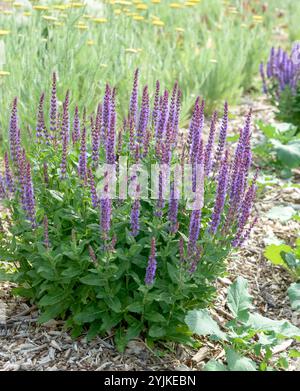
189 4
87 16
176 5
81 26
117 11
4 73
40 7
26 13
6 12
179 29
58 24
131 50
121 2
18 5
155 1
100 20
159 23
4 32
103 65
49 18
90 42
142 6
76 5
60 7
258 18
138 17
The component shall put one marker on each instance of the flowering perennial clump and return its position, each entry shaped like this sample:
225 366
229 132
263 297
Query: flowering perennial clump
134 262
280 77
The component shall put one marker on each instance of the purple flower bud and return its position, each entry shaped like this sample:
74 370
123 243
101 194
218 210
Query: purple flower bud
110 144
53 106
93 255
8 175
173 209
194 230
82 165
41 130
222 137
76 126
152 264
14 135
94 197
221 195
45 173
155 112
46 233
105 114
210 143
63 165
133 108
144 117
134 218
105 212
29 196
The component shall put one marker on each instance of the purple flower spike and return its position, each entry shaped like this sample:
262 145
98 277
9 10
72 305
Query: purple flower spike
76 126
82 165
133 108
14 140
105 114
53 106
152 264
110 144
144 117
45 173
41 130
65 125
194 230
155 112
8 175
63 165
221 195
173 209
29 196
94 197
210 143
134 217
222 137
105 219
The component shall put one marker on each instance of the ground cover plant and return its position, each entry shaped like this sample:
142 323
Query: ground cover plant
192 42
279 149
249 339
135 264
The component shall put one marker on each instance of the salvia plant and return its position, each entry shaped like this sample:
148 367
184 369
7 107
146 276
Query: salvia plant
132 263
280 78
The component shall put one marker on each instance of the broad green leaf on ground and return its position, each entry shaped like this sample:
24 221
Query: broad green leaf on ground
200 322
281 213
288 154
238 298
294 295
282 327
215 366
272 253
236 362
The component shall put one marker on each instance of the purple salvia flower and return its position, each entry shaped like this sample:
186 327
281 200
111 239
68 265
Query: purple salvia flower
222 137
220 195
194 230
30 203
105 114
134 217
94 197
196 126
65 125
93 255
160 201
63 165
144 117
210 143
147 143
195 259
193 120
155 112
110 144
105 211
133 108
263 77
8 175
46 232
45 174
172 108
120 142
2 188
76 126
152 264
245 236
176 118
53 106
41 130
161 124
181 250
95 143
13 131
131 137
173 209
82 164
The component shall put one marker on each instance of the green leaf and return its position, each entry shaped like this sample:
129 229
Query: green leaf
281 327
157 331
294 296
92 279
288 154
281 213
52 298
57 195
236 362
273 253
215 366
173 272
239 299
200 322
135 307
